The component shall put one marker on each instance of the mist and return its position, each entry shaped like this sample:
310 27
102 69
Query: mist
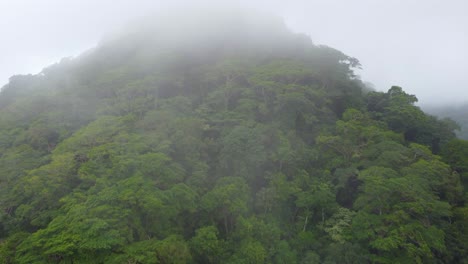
244 132
419 46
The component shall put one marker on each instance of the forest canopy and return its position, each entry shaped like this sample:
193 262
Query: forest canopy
190 143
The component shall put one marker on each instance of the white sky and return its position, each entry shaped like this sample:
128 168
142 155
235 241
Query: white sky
421 45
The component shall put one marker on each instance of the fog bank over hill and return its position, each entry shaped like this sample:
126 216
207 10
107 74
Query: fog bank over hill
224 137
421 47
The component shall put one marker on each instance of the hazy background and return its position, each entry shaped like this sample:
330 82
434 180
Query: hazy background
419 45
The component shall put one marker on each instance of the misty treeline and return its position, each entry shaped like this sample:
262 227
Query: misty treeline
215 146
455 112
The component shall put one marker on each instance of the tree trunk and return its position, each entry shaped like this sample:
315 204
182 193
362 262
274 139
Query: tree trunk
305 223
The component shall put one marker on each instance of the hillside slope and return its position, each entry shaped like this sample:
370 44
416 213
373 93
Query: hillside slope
167 144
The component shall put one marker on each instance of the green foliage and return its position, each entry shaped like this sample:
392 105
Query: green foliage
456 154
173 250
266 151
397 109
450 113
206 245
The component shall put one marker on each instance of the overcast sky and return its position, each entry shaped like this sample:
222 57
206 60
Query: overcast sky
419 45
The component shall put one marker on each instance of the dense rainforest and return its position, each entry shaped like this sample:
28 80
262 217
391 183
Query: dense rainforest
225 139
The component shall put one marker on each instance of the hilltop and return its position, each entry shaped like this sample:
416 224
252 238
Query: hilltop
223 138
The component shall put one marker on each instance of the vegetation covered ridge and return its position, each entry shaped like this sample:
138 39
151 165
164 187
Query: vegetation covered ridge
169 145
